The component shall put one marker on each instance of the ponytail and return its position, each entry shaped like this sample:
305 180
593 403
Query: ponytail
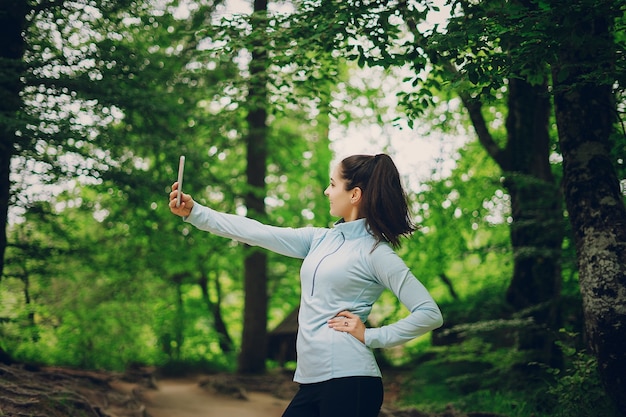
384 203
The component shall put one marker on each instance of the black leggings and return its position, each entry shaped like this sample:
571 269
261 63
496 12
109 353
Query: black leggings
355 396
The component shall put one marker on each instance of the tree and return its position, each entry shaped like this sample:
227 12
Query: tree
38 75
12 24
253 353
274 86
104 93
578 43
536 228
584 73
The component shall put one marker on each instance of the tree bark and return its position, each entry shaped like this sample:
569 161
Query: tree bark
585 114
12 23
254 338
537 212
536 209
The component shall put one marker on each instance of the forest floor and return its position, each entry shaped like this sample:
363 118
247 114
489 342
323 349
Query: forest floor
56 392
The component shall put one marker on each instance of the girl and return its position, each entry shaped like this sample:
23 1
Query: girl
344 270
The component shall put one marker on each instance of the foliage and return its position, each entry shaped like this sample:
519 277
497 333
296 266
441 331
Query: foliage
577 390
99 274
475 376
120 281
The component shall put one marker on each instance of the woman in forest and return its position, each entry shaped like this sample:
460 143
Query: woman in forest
344 270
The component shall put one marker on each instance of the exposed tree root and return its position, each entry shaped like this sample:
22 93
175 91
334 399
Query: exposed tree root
56 392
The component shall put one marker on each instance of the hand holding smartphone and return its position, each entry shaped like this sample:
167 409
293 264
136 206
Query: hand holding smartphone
181 168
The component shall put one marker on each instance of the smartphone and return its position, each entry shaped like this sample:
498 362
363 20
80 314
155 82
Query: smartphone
181 168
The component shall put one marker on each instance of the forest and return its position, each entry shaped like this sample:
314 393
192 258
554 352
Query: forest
520 201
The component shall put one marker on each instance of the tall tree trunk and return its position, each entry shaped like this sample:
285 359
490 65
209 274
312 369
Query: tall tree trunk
536 229
536 210
12 47
253 343
585 115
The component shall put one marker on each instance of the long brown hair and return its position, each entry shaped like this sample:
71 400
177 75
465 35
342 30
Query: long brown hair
383 200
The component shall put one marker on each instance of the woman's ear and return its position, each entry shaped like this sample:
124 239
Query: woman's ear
355 197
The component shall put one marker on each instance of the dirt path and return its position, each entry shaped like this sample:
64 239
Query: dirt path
61 392
185 398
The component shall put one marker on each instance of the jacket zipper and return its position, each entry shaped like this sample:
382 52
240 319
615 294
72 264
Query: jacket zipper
322 260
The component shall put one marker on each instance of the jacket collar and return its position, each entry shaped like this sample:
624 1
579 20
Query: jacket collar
354 229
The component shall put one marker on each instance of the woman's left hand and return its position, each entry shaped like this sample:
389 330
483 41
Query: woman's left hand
349 323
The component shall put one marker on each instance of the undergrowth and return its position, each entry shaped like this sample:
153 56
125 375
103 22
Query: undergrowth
474 376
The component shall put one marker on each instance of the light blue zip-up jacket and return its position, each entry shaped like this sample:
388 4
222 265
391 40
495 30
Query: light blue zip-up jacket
343 269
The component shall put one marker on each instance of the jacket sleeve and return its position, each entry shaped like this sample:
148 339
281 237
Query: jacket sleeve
293 242
391 272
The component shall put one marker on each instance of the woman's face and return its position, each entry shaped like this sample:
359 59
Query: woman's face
341 200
